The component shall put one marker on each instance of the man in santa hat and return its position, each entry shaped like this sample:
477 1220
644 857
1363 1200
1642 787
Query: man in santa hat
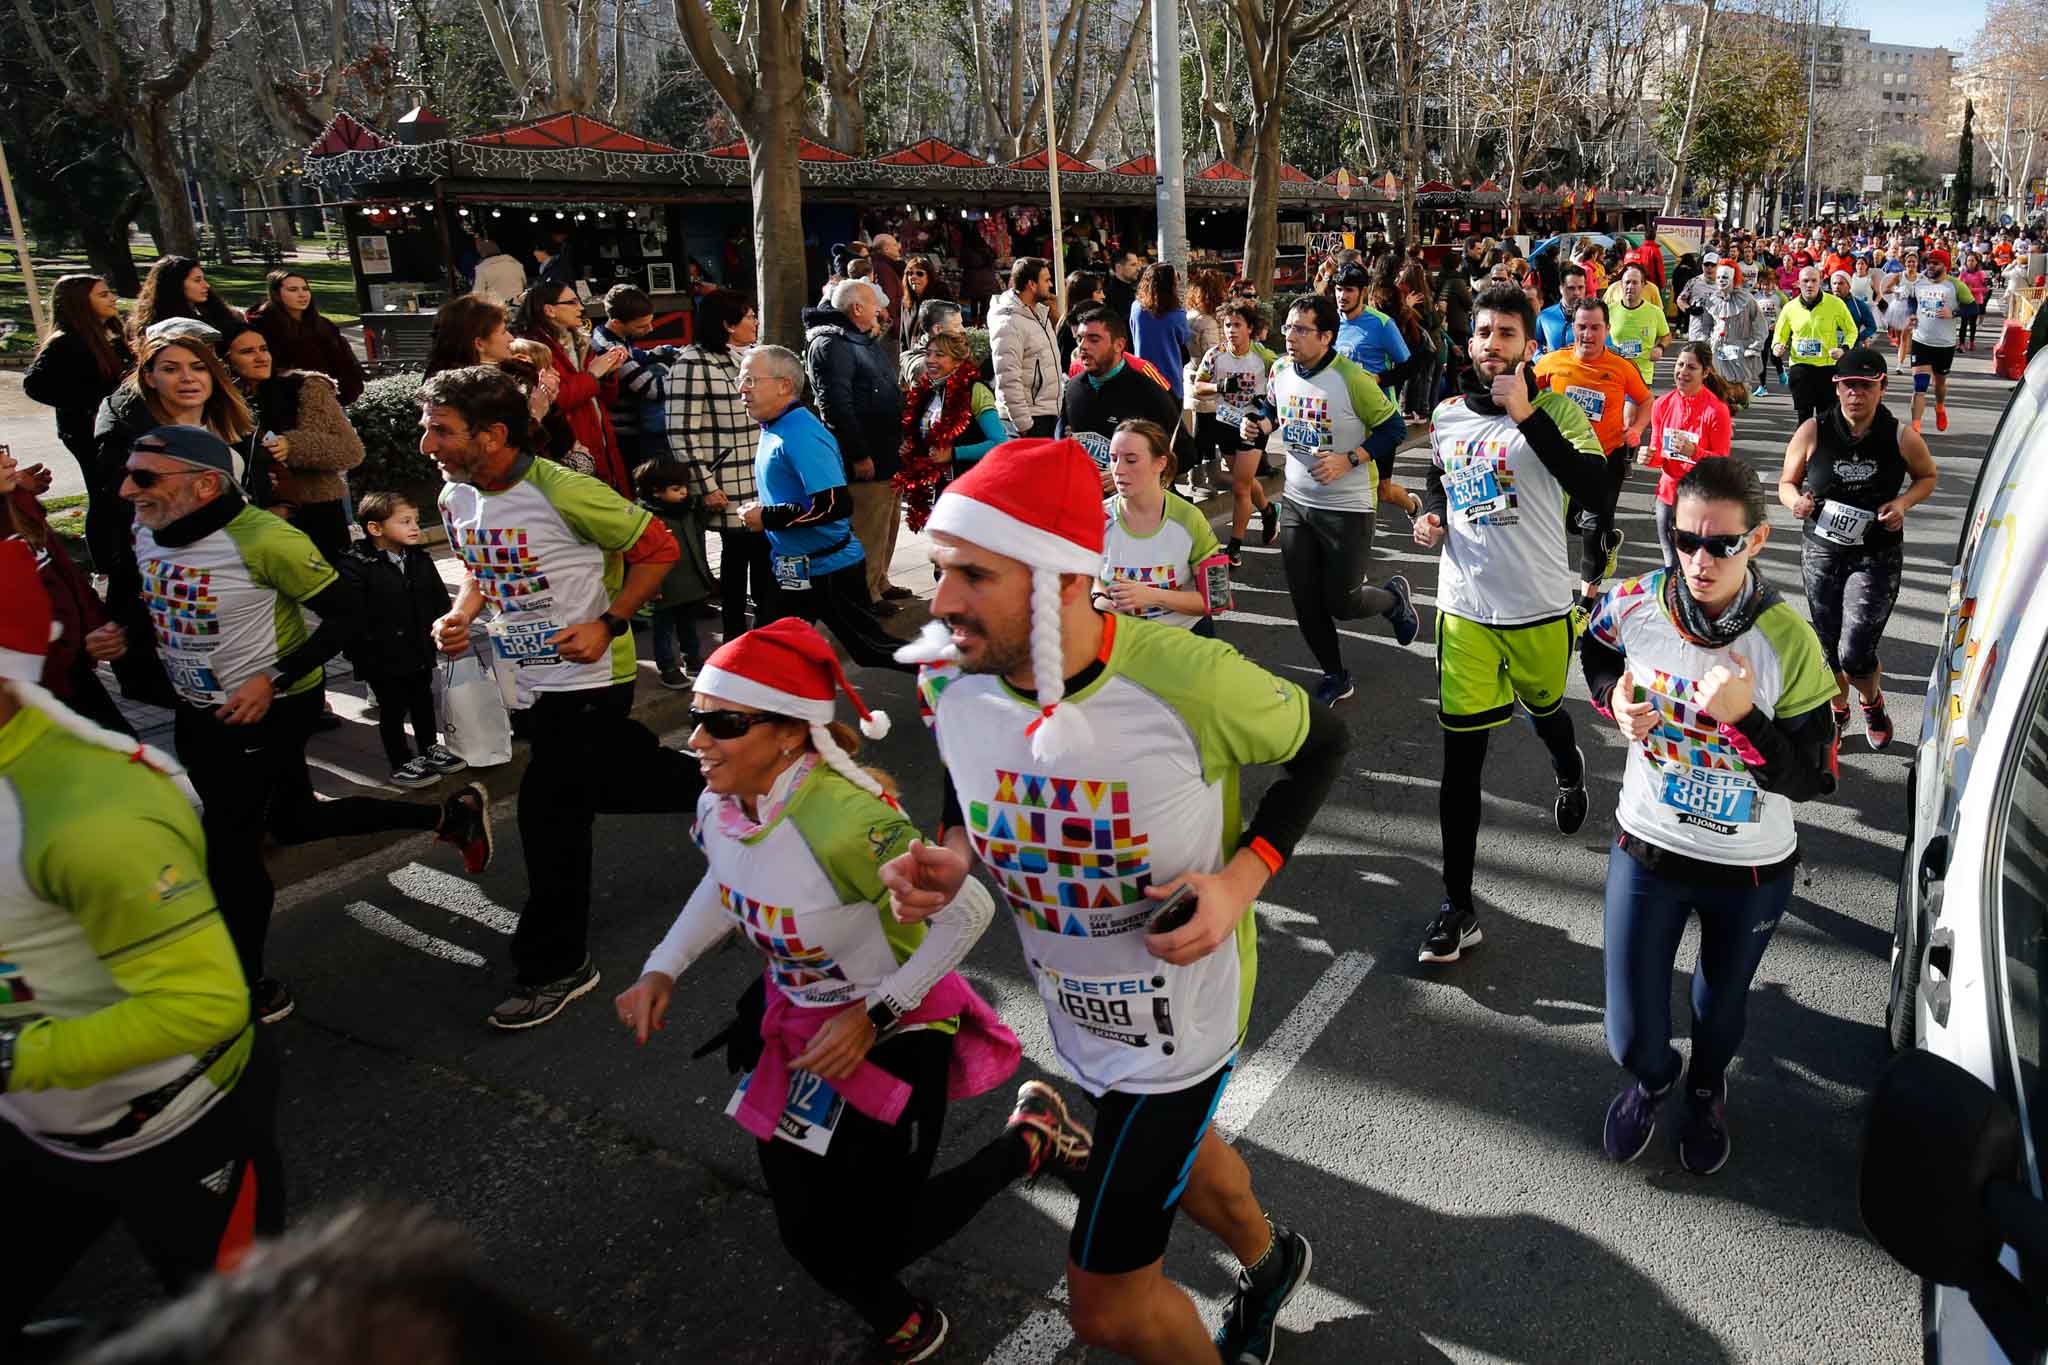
1092 765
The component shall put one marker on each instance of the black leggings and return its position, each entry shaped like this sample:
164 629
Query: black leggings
743 564
1850 593
1458 795
1324 554
839 601
856 1216
1593 524
402 697
1813 391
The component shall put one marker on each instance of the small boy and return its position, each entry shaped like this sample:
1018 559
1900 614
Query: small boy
571 454
394 653
664 488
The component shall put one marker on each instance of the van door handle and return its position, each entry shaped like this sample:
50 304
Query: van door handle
1934 975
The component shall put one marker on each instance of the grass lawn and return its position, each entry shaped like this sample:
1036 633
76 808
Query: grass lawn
241 284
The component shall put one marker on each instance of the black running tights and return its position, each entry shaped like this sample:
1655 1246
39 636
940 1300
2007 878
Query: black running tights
1458 796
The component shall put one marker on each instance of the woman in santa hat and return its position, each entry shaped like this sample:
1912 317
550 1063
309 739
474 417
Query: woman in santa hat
867 1030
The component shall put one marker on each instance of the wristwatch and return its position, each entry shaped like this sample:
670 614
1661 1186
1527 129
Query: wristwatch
882 1015
1352 456
613 624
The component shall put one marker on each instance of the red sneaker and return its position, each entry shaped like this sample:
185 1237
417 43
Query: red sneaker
1940 417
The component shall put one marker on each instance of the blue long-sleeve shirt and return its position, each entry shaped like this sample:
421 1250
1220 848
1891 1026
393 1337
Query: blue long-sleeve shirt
1161 340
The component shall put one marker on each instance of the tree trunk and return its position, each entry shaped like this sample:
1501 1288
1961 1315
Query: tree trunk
1675 195
774 118
1262 214
176 233
106 251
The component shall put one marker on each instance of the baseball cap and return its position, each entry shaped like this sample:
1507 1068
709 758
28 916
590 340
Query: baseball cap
195 446
1860 363
184 329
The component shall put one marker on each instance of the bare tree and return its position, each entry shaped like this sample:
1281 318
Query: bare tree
845 125
1271 32
556 61
1217 82
129 82
1675 195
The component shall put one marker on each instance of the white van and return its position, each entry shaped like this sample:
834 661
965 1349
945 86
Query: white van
1951 1180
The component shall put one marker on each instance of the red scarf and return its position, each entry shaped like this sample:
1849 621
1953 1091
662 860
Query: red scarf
919 479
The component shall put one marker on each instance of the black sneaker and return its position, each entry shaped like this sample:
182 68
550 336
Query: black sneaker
414 772
1334 688
1251 1323
1402 616
1877 725
443 759
1450 934
1234 552
1269 523
920 1342
1631 1122
1703 1143
1613 542
271 1000
1063 1145
1572 801
466 823
531 1005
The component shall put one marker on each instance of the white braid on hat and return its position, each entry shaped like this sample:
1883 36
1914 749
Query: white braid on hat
841 762
1059 729
39 698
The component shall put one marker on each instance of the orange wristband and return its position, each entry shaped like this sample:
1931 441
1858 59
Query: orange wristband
1268 855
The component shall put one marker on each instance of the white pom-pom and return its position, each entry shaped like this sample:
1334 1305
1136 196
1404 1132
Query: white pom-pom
875 725
1065 731
933 645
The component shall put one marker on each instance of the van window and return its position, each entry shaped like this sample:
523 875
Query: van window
2002 457
2023 911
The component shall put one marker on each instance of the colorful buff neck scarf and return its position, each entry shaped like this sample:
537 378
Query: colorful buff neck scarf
1717 632
919 479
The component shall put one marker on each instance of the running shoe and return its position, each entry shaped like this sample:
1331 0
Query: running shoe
1703 1143
1572 801
1063 1145
1234 552
1402 616
1877 726
1251 1323
466 823
1616 538
1450 934
1631 1122
1941 417
1841 718
414 772
271 1000
676 679
1334 688
444 760
1763 387
1269 523
1916 426
531 1005
920 1337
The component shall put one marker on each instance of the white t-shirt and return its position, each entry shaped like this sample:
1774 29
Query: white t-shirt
1164 558
1332 410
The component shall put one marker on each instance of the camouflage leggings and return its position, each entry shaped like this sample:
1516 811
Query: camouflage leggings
1849 594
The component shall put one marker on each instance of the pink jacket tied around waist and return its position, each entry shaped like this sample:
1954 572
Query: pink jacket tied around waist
985 1055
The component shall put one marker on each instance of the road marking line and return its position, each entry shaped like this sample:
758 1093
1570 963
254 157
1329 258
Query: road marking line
1255 618
445 891
397 930
1045 1333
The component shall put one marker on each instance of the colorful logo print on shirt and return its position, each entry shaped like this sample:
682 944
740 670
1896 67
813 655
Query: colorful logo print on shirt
503 562
14 987
1165 576
1064 853
180 599
795 965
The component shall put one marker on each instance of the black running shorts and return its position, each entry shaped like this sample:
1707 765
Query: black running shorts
1935 358
1145 1146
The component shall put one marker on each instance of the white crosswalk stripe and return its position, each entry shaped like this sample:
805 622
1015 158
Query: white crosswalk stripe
398 931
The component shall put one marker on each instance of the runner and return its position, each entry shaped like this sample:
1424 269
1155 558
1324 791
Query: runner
228 587
1554 324
1610 390
1636 325
1842 478
132 1084
1937 302
1336 426
1234 374
563 563
1899 292
1505 456
1812 332
1160 559
1687 425
1059 714
862 1030
1109 390
1367 337
1720 691
1730 321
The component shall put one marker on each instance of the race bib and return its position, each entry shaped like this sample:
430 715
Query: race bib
1474 490
1592 402
792 572
1809 347
1680 444
193 678
1133 1010
1723 798
809 1116
525 643
1632 348
1731 351
1842 524
1097 446
1301 438
1229 414
1933 300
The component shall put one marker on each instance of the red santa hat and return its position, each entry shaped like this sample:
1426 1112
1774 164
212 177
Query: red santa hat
26 627
789 669
1039 502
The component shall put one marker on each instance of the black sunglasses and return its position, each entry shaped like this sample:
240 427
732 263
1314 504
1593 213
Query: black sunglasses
729 724
150 478
1720 547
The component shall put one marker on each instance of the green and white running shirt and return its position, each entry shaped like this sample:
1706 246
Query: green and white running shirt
1687 787
547 552
114 961
1073 845
1329 411
1166 558
1504 559
226 607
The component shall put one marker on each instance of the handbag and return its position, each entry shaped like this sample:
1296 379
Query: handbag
478 726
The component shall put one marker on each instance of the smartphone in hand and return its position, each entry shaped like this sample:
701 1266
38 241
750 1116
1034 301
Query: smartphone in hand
1175 911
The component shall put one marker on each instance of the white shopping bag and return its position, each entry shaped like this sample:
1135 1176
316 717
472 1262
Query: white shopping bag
478 727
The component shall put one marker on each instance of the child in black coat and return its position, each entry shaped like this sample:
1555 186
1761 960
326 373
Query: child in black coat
664 488
402 596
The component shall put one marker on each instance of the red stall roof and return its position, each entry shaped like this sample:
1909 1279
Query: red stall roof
806 150
344 134
932 152
1436 187
1223 170
1137 165
1068 162
1291 175
569 130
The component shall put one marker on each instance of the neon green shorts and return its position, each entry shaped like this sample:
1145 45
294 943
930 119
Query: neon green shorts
1482 670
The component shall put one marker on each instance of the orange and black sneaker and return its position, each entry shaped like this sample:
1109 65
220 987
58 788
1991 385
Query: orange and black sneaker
1057 1142
466 823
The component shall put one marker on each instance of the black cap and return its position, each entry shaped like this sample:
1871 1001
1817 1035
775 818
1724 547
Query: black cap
195 446
1860 363
1353 275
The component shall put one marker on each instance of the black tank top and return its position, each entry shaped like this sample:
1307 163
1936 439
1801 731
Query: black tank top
1849 479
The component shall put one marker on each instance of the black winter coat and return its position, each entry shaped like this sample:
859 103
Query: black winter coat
855 389
400 605
64 376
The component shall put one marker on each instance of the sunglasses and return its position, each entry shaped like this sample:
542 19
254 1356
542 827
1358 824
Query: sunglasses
1720 547
150 478
729 724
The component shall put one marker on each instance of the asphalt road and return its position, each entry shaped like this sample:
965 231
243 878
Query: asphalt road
1434 1131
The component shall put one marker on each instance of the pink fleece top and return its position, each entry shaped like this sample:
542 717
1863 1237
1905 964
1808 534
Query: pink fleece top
1705 416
